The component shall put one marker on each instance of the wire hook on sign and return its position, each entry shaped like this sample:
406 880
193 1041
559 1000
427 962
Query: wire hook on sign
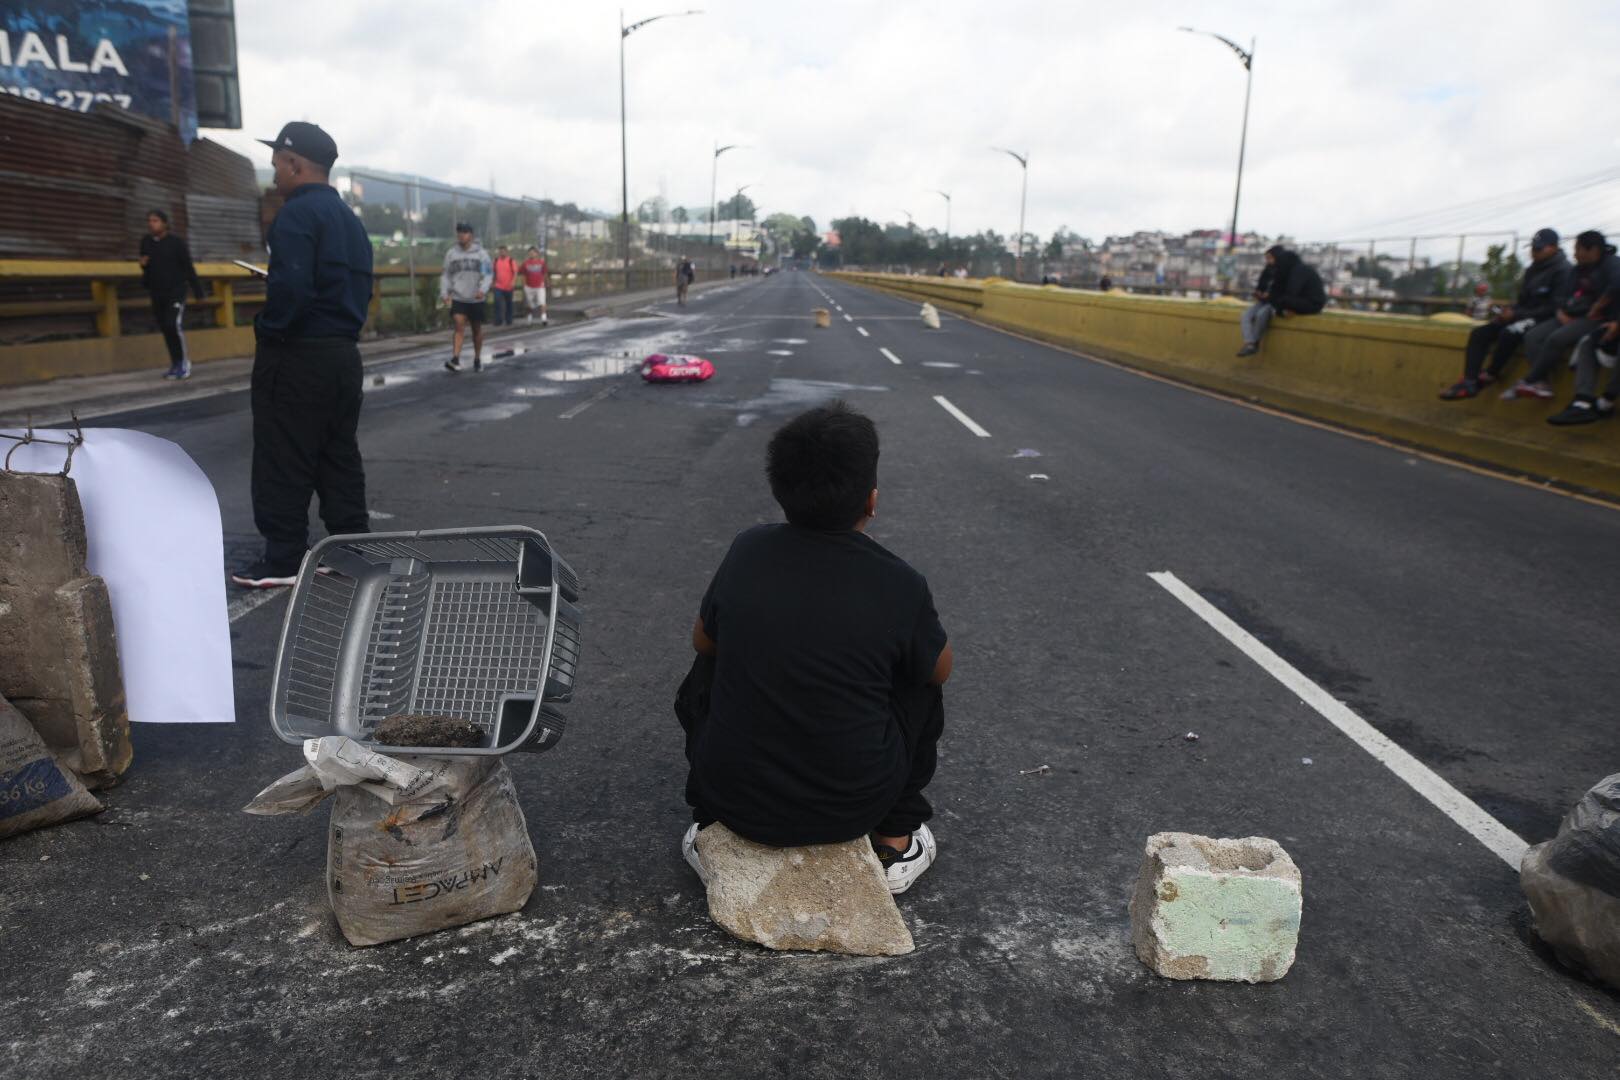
73 442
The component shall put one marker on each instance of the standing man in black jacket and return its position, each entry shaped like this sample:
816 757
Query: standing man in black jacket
1286 285
166 270
1545 286
306 369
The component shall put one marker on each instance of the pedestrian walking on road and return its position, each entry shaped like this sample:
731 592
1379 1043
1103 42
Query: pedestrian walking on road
685 274
506 271
1286 285
166 271
306 368
535 276
1597 272
463 286
1545 285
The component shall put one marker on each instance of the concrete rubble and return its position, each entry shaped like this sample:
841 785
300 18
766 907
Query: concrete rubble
821 898
1573 884
58 648
1226 910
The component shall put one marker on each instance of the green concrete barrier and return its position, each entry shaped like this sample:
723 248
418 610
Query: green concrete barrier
1375 373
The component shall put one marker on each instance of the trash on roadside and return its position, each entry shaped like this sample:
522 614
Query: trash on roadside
1039 476
1191 736
659 368
1305 761
1026 452
1573 884
823 317
415 844
34 790
930 316
408 729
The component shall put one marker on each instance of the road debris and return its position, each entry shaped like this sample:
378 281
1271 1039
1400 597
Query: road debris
1039 476
1039 770
1191 736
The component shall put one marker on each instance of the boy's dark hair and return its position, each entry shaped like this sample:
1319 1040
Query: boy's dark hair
161 215
822 465
1591 240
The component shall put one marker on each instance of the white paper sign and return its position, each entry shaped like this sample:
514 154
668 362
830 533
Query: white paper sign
152 523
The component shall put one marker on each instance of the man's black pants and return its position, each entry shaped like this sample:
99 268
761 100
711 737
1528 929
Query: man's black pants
306 416
169 312
922 721
1480 341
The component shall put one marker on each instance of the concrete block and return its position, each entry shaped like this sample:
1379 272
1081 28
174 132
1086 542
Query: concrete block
1227 910
822 898
43 540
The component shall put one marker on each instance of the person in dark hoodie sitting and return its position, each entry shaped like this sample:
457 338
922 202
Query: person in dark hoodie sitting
1545 286
1597 271
1287 285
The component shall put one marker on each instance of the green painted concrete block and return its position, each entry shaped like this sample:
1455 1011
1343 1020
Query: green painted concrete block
1227 910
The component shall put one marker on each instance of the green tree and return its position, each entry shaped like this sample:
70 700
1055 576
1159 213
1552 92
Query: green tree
1502 271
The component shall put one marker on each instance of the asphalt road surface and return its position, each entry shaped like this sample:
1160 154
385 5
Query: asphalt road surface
1470 619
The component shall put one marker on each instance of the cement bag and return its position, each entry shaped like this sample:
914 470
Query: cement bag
34 790
1573 884
416 843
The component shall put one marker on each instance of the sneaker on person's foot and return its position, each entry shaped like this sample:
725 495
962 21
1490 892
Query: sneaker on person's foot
1579 411
172 373
185 370
902 869
1605 408
263 575
545 320
689 852
1248 350
1457 391
478 363
1522 389
453 364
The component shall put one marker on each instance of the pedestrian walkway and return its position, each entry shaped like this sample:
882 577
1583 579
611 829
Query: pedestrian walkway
53 403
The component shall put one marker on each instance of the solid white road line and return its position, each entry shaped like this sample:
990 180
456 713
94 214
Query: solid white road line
967 421
1419 777
861 330
893 359
251 602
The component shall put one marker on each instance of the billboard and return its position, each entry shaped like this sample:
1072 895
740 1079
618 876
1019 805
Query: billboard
133 54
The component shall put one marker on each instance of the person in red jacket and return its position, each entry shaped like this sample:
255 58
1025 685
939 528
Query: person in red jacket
505 281
535 278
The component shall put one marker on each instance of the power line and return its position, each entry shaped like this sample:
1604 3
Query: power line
1499 203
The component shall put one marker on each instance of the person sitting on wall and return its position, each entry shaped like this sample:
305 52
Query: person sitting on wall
1598 350
1286 285
1545 285
1597 270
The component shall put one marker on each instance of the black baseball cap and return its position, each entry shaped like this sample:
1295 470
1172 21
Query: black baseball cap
462 226
305 140
1544 238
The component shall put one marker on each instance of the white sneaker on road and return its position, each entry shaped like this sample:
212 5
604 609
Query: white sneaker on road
689 852
901 870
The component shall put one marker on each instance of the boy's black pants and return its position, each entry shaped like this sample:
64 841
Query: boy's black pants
306 418
169 312
1493 339
922 721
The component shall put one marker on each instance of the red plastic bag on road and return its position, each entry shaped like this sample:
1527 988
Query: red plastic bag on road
661 368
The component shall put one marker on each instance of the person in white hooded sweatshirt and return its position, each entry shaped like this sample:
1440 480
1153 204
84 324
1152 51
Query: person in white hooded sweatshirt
468 274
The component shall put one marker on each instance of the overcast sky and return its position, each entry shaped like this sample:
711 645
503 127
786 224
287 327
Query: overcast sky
1362 113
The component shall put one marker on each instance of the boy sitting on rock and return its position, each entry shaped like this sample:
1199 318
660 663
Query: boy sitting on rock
814 707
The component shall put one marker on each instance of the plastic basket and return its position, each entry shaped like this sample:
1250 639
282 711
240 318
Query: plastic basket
477 624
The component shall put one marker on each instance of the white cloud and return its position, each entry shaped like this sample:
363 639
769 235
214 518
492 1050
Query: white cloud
1361 113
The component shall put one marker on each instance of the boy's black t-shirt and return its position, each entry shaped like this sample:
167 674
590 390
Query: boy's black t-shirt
819 635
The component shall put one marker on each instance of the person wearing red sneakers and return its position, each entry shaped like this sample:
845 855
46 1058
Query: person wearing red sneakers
1597 270
814 708
1545 286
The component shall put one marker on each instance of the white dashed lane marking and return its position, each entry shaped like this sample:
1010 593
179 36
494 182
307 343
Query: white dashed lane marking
861 330
893 359
967 421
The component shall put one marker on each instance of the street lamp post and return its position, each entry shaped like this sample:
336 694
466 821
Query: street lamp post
1023 196
736 215
714 175
624 154
947 197
1247 58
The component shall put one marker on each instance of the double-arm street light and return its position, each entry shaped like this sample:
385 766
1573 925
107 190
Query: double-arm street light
1023 195
947 197
1247 57
714 175
624 154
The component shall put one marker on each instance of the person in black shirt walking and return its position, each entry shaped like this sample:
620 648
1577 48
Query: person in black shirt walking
306 370
814 708
166 270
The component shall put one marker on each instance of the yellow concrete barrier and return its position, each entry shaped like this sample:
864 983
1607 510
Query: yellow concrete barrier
1375 373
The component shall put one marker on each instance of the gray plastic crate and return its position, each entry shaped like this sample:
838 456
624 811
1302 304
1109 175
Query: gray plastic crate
477 624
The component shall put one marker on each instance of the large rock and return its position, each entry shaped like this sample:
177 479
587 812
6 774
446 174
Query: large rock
821 898
1227 910
1573 884
58 649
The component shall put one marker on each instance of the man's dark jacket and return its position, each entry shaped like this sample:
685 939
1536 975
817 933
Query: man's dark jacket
1545 286
1299 287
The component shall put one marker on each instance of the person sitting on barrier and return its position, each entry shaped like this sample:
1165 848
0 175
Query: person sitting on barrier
1597 271
1597 350
1287 284
814 707
1545 285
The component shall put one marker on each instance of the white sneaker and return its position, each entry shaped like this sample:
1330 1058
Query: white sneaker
689 852
902 871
